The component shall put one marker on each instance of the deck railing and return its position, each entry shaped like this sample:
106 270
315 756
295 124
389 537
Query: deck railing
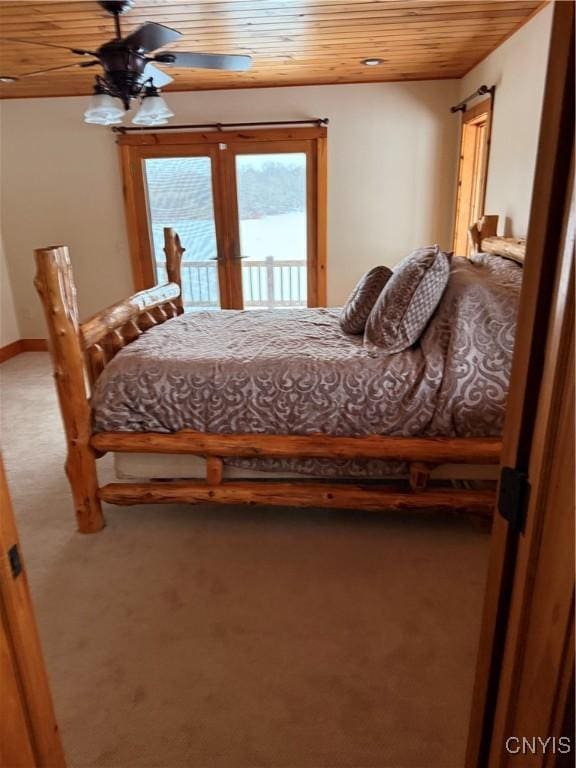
267 283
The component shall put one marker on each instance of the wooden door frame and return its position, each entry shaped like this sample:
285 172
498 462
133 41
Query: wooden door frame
544 300
17 615
538 650
136 147
472 115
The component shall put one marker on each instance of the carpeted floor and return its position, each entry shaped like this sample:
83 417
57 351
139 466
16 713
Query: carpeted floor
198 637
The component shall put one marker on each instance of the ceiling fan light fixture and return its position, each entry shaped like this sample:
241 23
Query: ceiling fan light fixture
153 123
128 73
103 109
95 120
153 109
101 121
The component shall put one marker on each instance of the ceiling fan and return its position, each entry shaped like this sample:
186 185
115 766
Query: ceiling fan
130 73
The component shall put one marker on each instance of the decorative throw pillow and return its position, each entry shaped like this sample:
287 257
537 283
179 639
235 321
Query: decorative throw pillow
360 302
409 299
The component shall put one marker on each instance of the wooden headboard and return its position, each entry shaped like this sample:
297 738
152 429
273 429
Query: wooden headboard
485 240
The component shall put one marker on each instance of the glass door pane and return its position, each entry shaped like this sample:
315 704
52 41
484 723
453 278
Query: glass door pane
272 217
179 191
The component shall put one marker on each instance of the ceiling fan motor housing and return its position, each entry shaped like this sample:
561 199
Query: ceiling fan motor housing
123 70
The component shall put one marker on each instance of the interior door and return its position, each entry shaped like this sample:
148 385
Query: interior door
249 208
524 660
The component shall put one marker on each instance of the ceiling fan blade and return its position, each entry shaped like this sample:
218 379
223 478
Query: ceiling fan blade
44 71
151 36
159 78
78 51
232 63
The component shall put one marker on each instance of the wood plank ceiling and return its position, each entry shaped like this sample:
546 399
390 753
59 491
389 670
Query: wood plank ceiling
293 42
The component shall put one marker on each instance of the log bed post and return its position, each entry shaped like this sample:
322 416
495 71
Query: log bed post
486 227
55 285
419 475
174 252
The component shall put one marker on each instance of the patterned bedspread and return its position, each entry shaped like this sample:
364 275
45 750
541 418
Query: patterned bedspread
295 372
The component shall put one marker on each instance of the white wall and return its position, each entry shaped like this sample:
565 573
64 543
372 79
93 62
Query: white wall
391 166
9 330
518 69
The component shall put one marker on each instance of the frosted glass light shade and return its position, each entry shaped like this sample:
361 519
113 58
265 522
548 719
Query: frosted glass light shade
96 120
103 107
153 111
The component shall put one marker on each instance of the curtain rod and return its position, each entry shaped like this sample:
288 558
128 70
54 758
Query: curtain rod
320 121
461 106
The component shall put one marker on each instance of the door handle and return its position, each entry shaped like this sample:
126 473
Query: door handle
217 258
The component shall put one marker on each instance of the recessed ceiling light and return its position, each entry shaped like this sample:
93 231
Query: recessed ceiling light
6 79
372 62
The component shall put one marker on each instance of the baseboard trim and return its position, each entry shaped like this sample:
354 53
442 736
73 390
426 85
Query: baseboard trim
34 345
22 345
10 350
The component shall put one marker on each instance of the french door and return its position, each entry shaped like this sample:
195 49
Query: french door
249 208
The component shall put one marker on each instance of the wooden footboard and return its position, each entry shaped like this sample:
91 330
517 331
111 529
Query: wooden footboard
80 352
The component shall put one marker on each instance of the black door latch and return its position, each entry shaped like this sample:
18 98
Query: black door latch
513 497
15 561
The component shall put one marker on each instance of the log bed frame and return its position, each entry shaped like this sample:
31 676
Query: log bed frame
80 352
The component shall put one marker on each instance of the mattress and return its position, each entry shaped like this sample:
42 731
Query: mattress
158 466
295 371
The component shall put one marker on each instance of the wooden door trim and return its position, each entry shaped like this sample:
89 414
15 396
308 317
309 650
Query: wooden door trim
549 537
321 218
223 231
541 268
216 137
134 148
16 747
483 107
16 607
232 263
470 117
132 187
